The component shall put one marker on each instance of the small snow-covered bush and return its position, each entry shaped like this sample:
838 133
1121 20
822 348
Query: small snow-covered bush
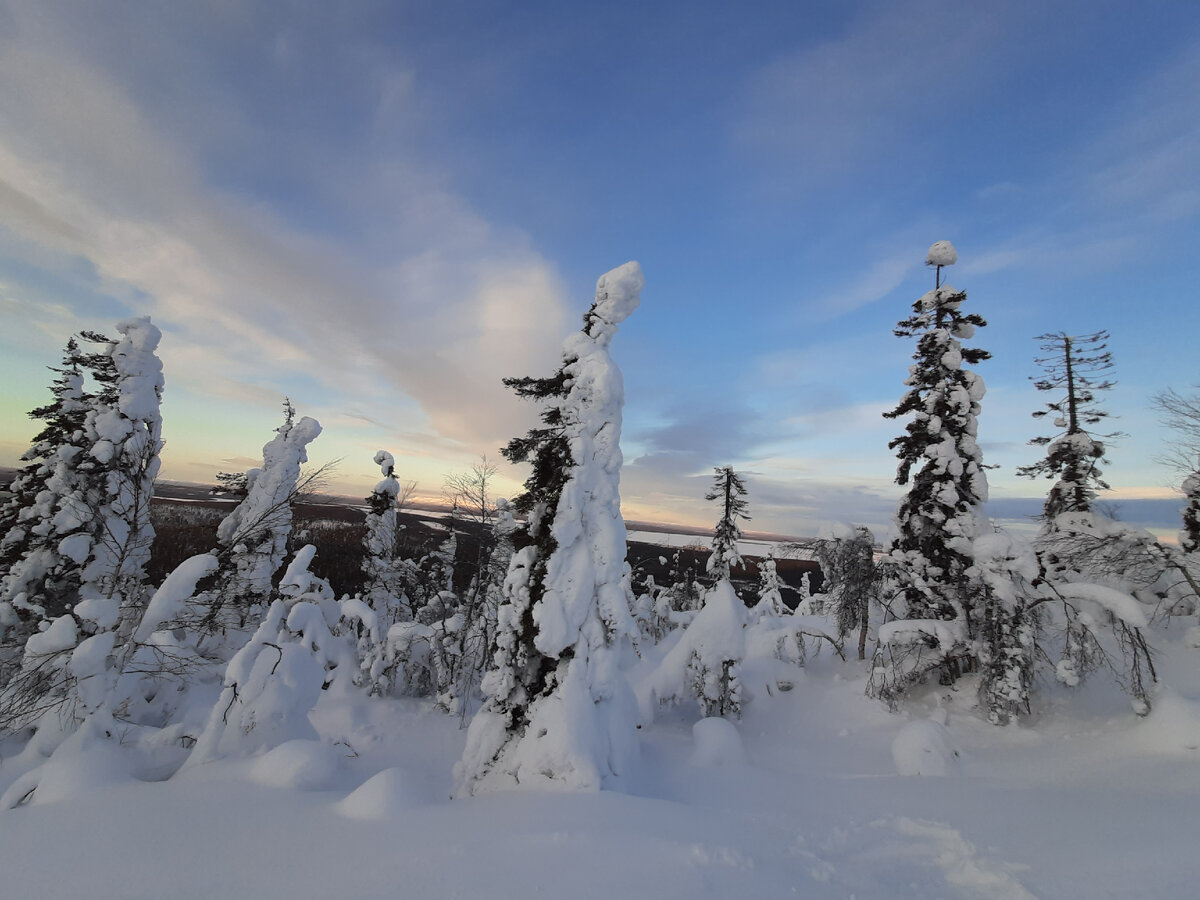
273 681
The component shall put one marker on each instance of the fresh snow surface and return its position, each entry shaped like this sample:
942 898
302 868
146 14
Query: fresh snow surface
1083 800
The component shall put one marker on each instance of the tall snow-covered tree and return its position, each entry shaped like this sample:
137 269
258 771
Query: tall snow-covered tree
128 440
252 540
26 527
85 577
380 582
1075 369
557 707
939 515
730 491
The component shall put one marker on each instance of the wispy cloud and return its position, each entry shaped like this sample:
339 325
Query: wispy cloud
434 303
892 76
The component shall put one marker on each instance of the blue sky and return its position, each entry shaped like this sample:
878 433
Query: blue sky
380 209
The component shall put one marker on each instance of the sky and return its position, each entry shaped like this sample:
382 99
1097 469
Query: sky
380 209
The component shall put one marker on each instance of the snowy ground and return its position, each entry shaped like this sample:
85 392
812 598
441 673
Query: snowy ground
1085 801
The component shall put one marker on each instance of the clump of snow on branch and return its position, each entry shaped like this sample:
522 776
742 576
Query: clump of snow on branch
941 253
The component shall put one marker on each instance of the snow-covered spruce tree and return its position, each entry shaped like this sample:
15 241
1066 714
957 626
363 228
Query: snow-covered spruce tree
940 515
128 440
380 585
252 540
27 535
370 615
85 570
729 489
1075 368
558 709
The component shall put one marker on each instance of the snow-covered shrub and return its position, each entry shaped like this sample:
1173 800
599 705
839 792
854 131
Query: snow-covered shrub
727 653
1009 632
704 663
652 609
770 595
909 651
684 594
1189 535
854 581
558 709
276 678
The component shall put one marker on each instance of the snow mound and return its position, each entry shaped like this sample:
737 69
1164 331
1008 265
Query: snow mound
717 743
304 765
942 253
1173 724
381 797
86 761
925 747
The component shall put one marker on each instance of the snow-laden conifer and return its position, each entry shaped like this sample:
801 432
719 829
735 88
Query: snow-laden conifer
28 540
1075 369
253 538
558 709
939 516
84 575
128 440
380 582
730 491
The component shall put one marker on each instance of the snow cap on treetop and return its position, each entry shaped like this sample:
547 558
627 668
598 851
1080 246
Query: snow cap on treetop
618 293
385 461
942 253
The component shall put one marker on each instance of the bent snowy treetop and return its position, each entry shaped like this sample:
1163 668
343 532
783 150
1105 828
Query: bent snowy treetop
618 293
